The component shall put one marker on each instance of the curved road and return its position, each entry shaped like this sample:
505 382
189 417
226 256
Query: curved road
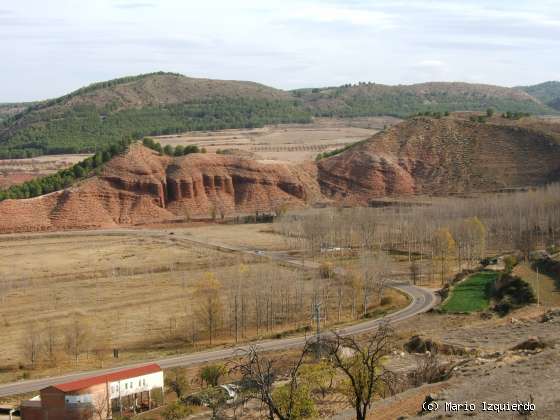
421 301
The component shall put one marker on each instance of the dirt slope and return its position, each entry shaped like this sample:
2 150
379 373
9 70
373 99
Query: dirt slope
419 156
143 187
441 156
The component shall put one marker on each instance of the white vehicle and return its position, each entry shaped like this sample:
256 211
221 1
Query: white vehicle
231 390
259 252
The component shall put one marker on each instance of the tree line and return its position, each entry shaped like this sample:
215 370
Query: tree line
445 231
87 128
370 99
65 177
169 150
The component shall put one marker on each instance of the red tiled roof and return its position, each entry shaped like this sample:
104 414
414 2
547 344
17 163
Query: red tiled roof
109 377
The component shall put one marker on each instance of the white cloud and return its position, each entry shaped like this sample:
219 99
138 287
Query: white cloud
353 16
430 63
59 45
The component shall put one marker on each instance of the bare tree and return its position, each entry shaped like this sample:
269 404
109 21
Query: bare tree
77 336
414 272
430 369
50 342
361 363
374 268
32 343
209 304
258 373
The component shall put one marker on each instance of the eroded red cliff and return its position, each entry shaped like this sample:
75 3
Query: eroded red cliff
142 187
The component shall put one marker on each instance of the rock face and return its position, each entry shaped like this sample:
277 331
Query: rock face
441 156
143 187
419 156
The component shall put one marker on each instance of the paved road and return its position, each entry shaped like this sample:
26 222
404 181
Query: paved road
421 301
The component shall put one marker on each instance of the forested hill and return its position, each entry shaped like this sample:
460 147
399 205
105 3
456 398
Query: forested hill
131 107
367 98
93 117
547 92
8 110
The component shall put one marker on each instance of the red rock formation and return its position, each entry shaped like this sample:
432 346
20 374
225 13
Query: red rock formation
143 187
441 156
419 156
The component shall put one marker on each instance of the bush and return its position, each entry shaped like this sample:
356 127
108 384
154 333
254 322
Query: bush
386 300
296 405
176 411
176 380
510 292
510 261
326 270
211 374
513 287
417 344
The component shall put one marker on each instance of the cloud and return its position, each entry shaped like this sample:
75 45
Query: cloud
283 43
351 16
430 63
135 6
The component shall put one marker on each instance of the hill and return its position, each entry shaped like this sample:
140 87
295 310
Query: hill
8 110
404 100
134 185
105 113
442 156
547 92
158 103
142 186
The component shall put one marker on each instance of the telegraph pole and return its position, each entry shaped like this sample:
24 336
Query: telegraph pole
538 289
317 316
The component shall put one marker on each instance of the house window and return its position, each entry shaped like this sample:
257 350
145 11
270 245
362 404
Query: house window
125 386
144 380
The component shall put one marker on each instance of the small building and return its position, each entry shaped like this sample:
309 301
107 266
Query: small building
124 392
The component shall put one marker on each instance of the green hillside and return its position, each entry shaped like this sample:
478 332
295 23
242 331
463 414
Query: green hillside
365 99
105 113
8 110
160 103
547 92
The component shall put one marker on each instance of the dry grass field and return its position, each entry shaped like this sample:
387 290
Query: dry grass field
259 236
548 293
287 142
16 171
143 292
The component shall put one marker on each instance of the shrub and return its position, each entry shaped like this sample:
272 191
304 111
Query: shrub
386 300
510 292
326 270
211 374
296 405
510 262
176 411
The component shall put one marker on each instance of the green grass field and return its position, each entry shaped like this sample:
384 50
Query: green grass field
470 295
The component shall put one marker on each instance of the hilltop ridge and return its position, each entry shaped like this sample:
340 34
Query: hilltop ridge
368 98
165 103
151 104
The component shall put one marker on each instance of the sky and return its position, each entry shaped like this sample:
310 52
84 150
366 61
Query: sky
51 47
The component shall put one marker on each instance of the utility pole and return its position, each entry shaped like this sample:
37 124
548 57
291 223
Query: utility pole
317 316
538 289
